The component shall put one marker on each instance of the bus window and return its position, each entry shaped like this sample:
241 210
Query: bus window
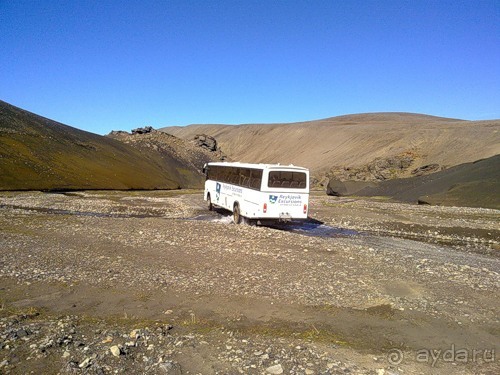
235 176
287 179
244 177
255 178
223 175
212 172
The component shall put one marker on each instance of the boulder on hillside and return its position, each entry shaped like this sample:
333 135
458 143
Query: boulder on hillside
209 143
205 141
144 130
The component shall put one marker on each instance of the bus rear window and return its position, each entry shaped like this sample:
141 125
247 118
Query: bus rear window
287 179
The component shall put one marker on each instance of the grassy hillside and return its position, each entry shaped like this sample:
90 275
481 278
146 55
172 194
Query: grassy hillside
356 140
41 154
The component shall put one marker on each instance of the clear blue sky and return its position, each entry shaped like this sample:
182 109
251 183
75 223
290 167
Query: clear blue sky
103 65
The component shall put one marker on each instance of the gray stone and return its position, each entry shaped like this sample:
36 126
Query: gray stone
115 350
22 333
85 363
275 370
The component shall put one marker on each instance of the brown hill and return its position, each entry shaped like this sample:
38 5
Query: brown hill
332 145
40 154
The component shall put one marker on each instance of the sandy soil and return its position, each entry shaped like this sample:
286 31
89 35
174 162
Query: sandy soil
151 282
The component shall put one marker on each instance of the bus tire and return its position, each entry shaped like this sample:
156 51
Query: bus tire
236 214
209 203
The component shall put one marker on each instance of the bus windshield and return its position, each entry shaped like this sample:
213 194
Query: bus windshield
287 180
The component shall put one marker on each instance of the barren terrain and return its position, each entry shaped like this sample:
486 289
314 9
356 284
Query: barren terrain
151 282
355 141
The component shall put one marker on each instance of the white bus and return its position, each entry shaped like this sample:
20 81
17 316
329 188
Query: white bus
258 192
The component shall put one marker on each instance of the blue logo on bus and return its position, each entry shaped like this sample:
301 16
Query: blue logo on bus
273 198
217 191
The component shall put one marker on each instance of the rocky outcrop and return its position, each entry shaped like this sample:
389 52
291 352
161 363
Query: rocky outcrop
163 148
380 169
209 143
144 130
205 141
388 168
342 180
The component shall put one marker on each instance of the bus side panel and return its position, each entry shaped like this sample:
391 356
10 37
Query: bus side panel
220 194
226 195
251 206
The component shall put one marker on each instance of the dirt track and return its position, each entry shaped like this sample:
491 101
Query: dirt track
178 290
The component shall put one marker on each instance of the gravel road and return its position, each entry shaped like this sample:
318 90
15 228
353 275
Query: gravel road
104 282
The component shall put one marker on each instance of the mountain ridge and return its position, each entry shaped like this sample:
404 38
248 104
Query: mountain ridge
348 117
353 141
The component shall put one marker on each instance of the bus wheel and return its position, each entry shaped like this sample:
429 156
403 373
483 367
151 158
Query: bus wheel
209 203
236 214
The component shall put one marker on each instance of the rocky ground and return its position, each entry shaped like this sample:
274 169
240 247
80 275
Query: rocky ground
151 282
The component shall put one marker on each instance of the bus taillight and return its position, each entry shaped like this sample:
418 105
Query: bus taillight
305 208
264 209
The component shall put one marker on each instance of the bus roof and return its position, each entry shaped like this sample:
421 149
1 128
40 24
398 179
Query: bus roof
257 166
